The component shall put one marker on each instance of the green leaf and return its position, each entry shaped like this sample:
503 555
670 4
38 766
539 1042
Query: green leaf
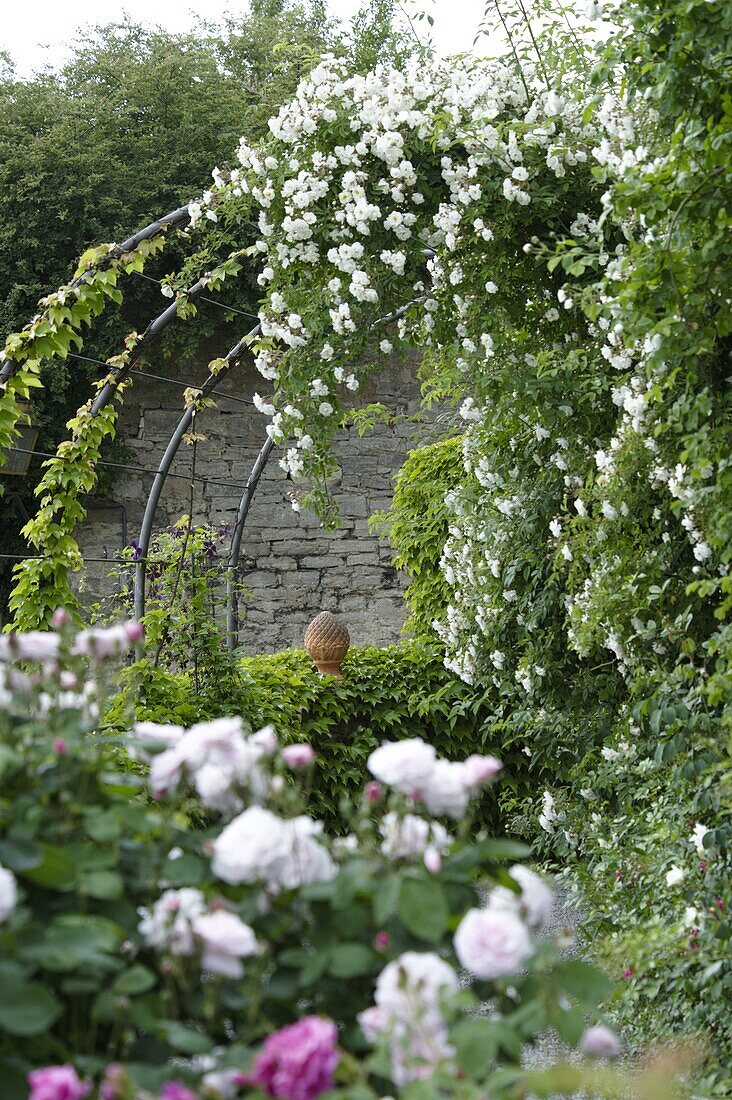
423 908
105 885
56 869
351 960
185 1039
475 1046
314 968
19 854
103 826
187 870
499 848
583 981
571 1025
71 942
386 898
28 1009
138 979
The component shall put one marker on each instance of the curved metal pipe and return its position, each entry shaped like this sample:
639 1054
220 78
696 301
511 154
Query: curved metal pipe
151 333
174 217
232 617
231 359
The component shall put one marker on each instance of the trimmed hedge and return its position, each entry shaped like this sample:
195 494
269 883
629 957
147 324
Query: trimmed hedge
386 694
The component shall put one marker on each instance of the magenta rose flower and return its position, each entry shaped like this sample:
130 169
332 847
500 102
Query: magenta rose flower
57 1083
174 1090
298 1062
298 756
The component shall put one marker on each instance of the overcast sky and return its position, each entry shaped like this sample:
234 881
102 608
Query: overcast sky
35 32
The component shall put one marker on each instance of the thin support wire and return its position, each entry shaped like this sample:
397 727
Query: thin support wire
137 469
173 218
163 378
203 298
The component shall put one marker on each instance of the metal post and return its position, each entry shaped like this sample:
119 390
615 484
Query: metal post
231 359
232 617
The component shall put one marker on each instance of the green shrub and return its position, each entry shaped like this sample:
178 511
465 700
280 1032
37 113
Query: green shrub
417 527
386 694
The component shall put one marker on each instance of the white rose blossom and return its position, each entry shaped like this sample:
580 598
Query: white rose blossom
492 942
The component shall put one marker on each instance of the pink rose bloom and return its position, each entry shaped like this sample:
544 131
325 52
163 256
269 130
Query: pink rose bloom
107 642
155 732
226 940
265 740
57 1083
174 1090
114 1082
600 1041
35 645
298 756
298 1062
373 792
432 860
479 769
492 942
405 765
534 903
444 790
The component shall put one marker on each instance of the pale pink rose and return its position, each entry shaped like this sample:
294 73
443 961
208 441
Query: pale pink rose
444 790
433 860
600 1042
306 860
405 765
298 756
409 836
224 1084
492 942
373 1022
8 893
35 645
60 618
226 941
416 981
265 740
251 847
168 926
479 769
408 1012
218 759
155 732
373 792
534 903
135 631
99 643
258 846
165 772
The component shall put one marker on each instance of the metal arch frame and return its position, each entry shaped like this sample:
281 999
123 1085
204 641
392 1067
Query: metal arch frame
176 217
172 218
232 358
232 612
118 375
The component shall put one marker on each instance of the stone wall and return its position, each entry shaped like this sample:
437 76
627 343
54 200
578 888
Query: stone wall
290 567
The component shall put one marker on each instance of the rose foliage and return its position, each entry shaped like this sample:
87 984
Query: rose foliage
184 928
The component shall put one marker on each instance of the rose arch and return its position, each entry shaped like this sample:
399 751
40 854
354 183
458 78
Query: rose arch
460 209
362 179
